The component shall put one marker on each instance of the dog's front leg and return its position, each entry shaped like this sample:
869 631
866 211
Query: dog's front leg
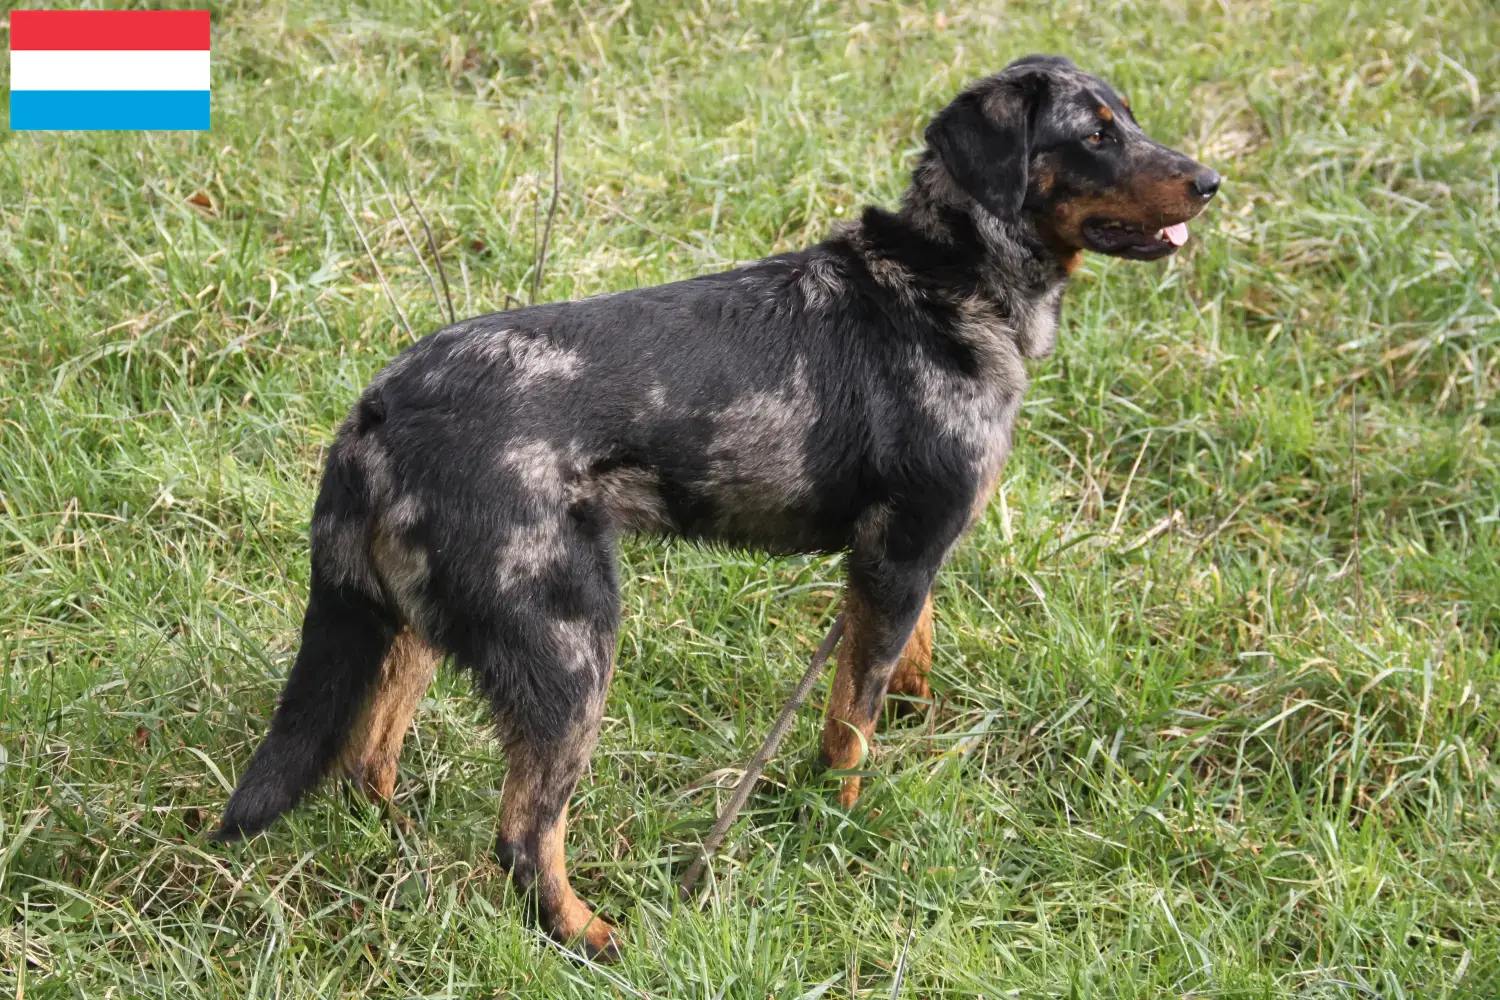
909 686
883 604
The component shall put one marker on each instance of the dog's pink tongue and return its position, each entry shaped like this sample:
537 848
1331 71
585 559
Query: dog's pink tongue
1176 235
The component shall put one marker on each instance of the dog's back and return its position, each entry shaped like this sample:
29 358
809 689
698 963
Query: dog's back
744 407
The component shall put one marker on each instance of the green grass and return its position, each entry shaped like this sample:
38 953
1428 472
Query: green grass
1216 679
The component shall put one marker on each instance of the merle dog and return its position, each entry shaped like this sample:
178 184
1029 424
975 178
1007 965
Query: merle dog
856 396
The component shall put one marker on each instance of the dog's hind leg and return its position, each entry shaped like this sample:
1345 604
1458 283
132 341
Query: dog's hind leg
543 647
369 759
533 825
909 686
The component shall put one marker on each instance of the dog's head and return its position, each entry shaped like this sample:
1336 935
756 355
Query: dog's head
1044 142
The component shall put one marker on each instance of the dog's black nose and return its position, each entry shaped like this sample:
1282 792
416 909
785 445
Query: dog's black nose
1206 184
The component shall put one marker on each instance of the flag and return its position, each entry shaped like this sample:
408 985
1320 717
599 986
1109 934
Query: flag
108 69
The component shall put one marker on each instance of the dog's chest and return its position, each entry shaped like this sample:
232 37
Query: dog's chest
1036 330
974 413
975 410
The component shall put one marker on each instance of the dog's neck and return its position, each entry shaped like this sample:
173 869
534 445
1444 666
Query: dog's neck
956 250
1012 257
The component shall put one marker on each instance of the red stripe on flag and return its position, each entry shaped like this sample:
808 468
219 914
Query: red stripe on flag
94 30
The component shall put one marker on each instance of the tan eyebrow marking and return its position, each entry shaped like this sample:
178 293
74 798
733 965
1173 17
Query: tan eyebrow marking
1105 113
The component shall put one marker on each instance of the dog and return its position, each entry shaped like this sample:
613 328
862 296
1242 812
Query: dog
858 396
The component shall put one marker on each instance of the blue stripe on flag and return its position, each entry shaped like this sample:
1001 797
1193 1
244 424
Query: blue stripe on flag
108 109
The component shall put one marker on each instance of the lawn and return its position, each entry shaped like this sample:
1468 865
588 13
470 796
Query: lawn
1217 678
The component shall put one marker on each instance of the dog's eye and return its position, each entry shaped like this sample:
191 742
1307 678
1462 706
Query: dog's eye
1097 139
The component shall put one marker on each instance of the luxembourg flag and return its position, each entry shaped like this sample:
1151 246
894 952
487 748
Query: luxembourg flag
108 69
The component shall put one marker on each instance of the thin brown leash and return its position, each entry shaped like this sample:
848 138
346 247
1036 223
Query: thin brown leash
758 762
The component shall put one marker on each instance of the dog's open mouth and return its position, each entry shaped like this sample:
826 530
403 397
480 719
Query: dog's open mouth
1130 239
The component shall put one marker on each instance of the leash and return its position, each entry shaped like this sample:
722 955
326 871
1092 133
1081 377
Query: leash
758 762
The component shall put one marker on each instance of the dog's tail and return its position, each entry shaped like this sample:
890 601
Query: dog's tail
347 632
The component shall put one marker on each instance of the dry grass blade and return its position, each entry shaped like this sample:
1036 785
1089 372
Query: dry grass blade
432 245
375 264
405 229
901 962
1354 489
411 242
611 209
541 257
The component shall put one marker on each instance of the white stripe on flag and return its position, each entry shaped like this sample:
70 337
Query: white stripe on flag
113 69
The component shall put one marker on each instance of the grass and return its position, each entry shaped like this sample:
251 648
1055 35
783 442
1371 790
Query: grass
1217 678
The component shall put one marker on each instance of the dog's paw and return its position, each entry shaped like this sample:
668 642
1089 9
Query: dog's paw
600 942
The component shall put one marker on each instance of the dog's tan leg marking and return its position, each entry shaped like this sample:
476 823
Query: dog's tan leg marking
374 746
910 678
848 720
540 866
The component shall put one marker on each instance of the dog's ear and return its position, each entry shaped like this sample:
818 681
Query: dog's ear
984 140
